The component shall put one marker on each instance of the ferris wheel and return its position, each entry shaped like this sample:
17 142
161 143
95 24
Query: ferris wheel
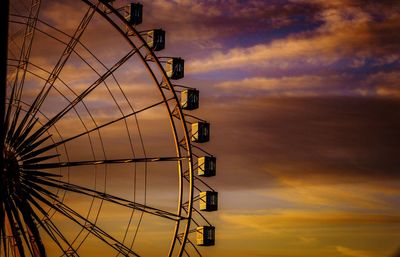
102 153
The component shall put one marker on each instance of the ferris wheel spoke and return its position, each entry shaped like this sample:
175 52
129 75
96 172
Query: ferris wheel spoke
39 159
26 46
30 146
13 124
58 68
13 131
25 144
2 226
51 229
107 197
94 230
25 52
63 58
80 97
32 163
16 235
84 223
80 56
37 188
23 131
57 236
29 216
3 244
19 226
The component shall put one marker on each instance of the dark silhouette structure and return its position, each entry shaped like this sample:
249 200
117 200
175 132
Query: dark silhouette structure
35 164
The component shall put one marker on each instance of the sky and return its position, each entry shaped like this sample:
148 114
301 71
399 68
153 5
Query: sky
303 97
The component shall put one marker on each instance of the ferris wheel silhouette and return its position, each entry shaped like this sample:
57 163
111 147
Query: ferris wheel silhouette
102 152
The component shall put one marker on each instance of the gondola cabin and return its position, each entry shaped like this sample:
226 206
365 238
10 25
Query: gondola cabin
190 99
200 132
156 39
134 14
208 201
175 68
206 166
205 236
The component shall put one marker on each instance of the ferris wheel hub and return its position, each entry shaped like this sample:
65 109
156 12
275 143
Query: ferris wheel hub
11 175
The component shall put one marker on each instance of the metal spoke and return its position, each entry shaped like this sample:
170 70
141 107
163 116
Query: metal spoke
26 49
78 99
19 226
34 108
57 236
63 59
47 148
49 227
84 223
3 242
31 164
15 141
13 124
29 216
15 233
107 197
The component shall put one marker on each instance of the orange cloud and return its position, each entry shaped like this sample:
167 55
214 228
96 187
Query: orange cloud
354 253
305 85
283 219
385 83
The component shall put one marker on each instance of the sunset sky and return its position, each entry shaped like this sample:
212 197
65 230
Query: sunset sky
304 100
303 97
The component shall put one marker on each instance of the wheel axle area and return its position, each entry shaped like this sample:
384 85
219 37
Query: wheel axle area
11 174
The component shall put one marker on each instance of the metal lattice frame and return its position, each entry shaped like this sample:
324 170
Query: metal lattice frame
27 150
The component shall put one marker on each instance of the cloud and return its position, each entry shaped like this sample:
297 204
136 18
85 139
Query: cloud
304 233
51 11
345 196
305 85
319 140
283 219
206 23
385 83
353 253
349 34
272 83
381 84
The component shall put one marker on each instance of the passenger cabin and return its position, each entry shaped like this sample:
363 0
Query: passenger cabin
206 166
200 132
175 68
156 39
134 13
205 236
208 201
190 99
